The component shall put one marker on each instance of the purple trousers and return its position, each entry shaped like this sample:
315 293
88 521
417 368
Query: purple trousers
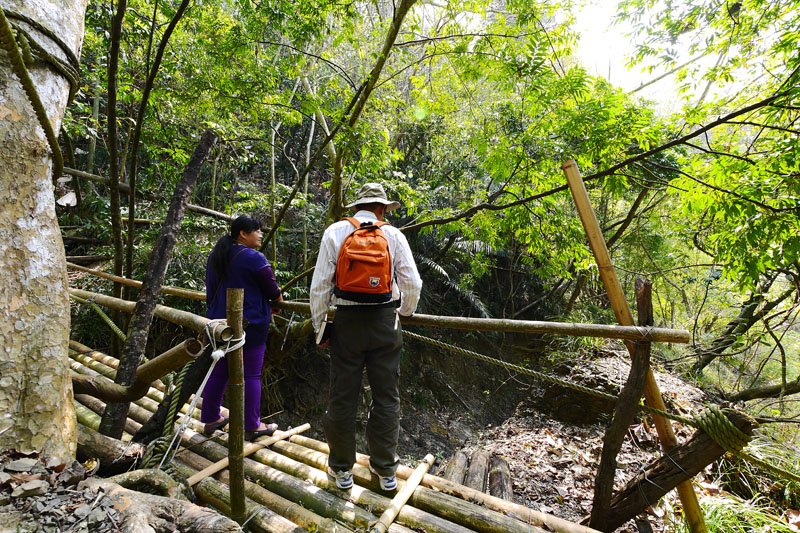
215 387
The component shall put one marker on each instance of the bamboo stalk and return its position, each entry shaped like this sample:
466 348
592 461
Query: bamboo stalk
98 406
248 450
233 314
402 497
455 510
520 512
217 494
609 331
298 514
125 188
290 486
155 368
89 366
289 479
165 289
691 507
176 316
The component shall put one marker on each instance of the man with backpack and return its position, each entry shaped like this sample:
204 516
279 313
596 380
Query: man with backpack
363 267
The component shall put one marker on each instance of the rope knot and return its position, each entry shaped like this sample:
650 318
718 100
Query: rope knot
721 429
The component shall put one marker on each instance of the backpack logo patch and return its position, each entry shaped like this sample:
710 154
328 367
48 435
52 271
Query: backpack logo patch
374 281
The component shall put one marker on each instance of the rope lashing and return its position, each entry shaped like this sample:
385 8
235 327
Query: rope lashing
102 314
18 65
216 355
712 421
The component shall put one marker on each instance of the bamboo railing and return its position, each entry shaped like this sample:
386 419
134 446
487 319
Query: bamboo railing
288 479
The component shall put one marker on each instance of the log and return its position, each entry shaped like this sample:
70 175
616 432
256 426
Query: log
456 467
626 409
680 464
327 504
114 455
151 481
520 512
147 512
500 478
298 514
619 304
165 289
218 496
402 497
478 470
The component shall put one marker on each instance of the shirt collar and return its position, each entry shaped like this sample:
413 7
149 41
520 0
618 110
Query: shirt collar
363 213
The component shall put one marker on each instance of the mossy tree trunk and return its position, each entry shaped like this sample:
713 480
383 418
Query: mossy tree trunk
35 387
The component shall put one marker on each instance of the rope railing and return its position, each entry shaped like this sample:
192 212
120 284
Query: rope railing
712 420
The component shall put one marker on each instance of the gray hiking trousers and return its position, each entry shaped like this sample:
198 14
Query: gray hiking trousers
370 338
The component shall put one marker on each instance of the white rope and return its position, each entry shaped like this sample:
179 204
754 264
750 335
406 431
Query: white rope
216 355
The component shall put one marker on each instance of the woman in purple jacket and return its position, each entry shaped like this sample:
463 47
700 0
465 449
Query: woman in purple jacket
235 263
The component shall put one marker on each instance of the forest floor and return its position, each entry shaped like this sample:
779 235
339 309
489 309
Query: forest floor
553 462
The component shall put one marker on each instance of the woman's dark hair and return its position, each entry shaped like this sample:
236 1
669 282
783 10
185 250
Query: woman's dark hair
219 255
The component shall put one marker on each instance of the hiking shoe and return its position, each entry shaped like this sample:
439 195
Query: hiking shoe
344 478
387 483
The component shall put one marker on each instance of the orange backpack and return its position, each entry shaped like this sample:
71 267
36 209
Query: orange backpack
364 265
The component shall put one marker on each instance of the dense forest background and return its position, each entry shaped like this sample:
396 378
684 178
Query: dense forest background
465 112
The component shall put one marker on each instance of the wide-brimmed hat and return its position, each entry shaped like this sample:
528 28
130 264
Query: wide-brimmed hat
372 193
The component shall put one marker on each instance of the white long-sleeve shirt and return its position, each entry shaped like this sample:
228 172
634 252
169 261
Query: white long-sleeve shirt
405 277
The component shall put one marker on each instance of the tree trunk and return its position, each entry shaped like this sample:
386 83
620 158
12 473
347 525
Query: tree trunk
746 319
35 390
114 417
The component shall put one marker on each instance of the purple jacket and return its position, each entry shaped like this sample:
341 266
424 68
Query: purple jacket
248 269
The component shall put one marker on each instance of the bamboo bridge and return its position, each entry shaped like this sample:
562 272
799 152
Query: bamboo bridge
288 488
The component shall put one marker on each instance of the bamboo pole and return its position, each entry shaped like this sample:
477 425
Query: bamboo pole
84 364
155 368
98 406
298 514
455 510
218 495
520 512
176 316
619 304
233 313
609 331
165 289
286 479
249 449
402 497
125 188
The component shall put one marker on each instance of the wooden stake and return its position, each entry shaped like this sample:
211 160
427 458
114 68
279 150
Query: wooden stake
402 497
233 315
252 447
619 304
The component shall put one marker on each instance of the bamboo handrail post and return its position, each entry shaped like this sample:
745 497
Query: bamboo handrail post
402 497
235 305
619 304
